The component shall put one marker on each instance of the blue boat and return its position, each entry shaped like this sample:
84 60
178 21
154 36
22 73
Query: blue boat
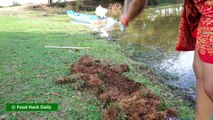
88 19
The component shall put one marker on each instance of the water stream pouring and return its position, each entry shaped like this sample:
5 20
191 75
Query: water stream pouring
126 7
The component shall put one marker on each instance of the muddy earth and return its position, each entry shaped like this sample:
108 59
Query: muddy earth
122 97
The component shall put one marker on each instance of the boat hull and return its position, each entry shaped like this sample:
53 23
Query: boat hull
87 19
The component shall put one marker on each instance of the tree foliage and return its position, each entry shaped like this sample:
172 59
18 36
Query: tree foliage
151 2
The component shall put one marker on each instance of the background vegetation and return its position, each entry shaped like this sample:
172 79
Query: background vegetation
151 2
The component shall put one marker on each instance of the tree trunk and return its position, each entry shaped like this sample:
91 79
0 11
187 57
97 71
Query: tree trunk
50 2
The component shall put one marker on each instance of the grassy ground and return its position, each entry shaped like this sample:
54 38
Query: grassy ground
28 70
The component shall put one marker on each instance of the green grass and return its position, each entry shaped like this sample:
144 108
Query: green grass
28 70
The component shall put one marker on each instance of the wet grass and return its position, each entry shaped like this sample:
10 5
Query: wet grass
28 70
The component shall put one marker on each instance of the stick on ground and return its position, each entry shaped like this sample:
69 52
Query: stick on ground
66 47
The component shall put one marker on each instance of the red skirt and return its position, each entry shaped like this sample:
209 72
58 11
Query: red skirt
196 29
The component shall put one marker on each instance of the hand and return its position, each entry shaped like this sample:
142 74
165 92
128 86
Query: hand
124 20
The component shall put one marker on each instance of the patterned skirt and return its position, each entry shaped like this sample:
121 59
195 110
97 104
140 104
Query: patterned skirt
204 37
196 29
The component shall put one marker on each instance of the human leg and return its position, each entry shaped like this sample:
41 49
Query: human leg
203 103
208 79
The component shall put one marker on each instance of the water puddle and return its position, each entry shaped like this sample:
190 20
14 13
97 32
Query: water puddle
181 66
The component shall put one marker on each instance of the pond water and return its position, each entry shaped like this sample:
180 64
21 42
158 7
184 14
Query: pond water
154 36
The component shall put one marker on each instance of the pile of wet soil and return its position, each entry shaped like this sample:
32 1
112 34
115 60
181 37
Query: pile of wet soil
120 94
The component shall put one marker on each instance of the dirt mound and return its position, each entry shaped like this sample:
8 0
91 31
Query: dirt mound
42 7
111 86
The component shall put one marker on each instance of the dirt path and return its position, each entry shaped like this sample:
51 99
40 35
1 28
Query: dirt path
13 9
120 94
